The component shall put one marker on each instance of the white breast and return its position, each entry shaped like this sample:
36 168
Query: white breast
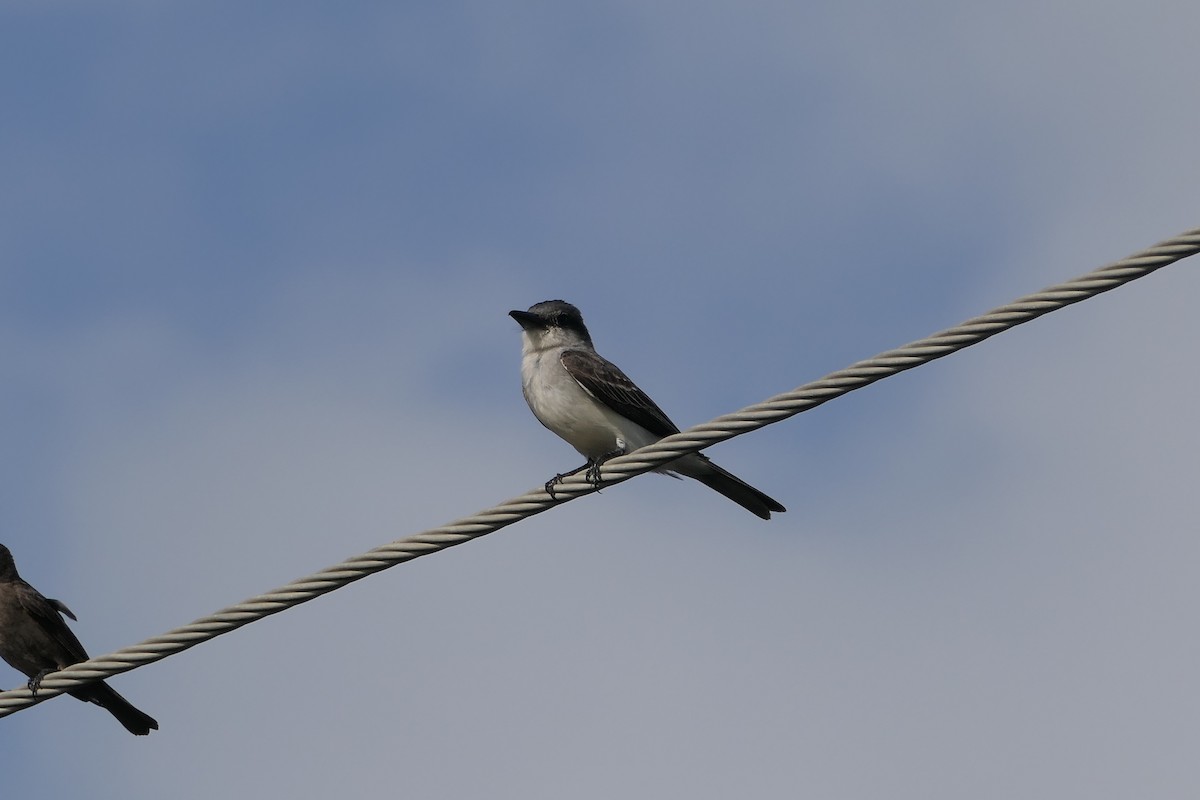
565 407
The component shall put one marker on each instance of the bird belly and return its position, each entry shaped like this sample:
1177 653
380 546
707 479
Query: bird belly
30 653
563 406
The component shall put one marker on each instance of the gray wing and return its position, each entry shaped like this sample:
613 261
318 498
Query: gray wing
605 381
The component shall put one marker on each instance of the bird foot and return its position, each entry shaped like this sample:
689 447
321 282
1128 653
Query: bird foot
593 467
35 682
557 479
592 475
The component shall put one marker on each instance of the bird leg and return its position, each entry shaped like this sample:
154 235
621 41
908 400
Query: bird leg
593 467
592 475
35 682
557 479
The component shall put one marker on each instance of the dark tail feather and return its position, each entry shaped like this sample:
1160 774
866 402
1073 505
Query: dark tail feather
736 490
136 722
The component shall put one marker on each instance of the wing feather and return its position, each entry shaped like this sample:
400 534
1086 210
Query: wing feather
47 615
605 381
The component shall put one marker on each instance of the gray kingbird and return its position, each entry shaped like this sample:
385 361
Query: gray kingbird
591 404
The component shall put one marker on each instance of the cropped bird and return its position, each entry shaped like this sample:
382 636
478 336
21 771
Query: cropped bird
35 639
590 403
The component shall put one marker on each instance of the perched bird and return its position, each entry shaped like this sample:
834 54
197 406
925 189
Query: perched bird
590 403
35 639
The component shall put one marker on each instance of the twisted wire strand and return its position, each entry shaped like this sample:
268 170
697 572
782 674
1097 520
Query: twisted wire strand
868 371
772 410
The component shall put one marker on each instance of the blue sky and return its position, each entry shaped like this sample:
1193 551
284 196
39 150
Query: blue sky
257 265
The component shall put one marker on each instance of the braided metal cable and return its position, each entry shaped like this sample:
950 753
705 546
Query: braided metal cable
618 469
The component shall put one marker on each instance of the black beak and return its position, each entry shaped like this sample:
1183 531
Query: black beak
526 320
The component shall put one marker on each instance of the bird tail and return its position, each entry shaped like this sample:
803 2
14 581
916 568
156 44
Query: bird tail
731 486
135 721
